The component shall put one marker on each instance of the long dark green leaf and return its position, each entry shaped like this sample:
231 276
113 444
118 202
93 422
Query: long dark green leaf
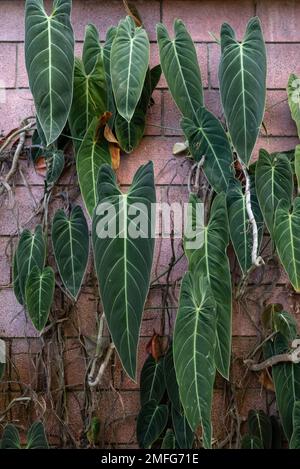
260 426
211 260
183 432
239 225
111 106
180 66
70 238
194 351
251 442
152 381
287 240
293 99
10 438
55 161
286 378
242 77
39 295
171 380
129 62
273 182
31 252
36 437
93 153
206 136
169 441
125 258
90 90
295 438
151 422
49 52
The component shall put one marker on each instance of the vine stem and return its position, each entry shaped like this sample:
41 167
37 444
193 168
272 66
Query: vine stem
293 357
255 258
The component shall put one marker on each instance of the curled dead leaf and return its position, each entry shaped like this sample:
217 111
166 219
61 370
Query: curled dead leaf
114 151
132 11
266 381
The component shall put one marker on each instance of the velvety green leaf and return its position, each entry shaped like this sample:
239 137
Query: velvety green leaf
273 182
111 107
251 442
70 238
126 258
276 433
155 74
36 437
39 295
211 260
242 77
259 425
55 161
295 438
92 153
90 90
49 53
286 325
16 281
180 66
287 240
10 438
293 88
129 62
169 441
207 137
297 165
152 385
286 378
183 432
151 422
31 251
194 351
171 380
239 225
194 229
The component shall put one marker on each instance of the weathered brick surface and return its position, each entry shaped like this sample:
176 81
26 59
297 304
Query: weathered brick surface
118 409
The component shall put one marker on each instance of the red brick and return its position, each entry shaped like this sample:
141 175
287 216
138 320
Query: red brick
153 123
12 19
5 260
280 20
13 319
25 369
8 56
75 364
22 77
18 105
83 316
274 144
202 17
277 117
22 211
108 13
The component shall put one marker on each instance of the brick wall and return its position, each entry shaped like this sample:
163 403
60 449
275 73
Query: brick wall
118 402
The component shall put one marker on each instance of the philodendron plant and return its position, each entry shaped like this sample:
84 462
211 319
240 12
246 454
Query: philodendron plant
101 100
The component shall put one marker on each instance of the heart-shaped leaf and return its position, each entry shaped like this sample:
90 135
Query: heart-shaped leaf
169 441
294 99
211 260
152 381
171 380
242 77
287 240
10 438
49 53
239 225
93 153
273 182
39 295
260 426
295 438
70 238
275 319
207 138
90 90
180 66
151 422
125 256
194 351
286 378
183 432
31 251
129 62
36 437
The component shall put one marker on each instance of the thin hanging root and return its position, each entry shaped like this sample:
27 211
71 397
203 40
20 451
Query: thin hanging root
292 357
101 343
103 367
198 167
255 258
